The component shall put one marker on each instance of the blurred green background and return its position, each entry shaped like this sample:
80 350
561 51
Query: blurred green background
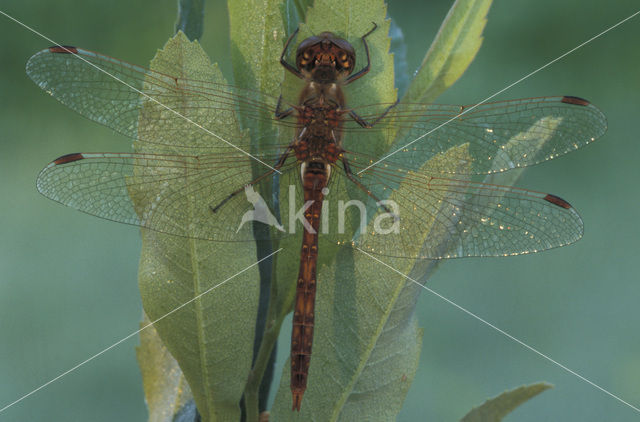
68 281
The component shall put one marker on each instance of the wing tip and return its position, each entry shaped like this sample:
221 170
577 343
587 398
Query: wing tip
556 200
570 99
68 158
63 49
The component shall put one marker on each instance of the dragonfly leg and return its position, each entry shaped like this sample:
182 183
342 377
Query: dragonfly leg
291 68
365 69
368 125
281 114
278 165
350 176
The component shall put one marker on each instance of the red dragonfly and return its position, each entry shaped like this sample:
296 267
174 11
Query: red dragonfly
317 157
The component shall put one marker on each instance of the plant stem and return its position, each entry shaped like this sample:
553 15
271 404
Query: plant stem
190 18
269 340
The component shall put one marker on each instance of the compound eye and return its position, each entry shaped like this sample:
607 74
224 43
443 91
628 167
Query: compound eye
304 60
345 60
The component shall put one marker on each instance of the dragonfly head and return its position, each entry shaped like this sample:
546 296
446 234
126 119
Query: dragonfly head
326 57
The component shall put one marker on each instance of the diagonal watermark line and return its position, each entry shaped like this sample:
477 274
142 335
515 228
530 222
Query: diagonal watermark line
138 91
133 334
502 90
520 342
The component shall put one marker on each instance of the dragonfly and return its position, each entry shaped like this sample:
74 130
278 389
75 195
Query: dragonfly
402 180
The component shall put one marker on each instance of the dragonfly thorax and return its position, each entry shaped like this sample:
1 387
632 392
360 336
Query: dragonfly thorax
314 148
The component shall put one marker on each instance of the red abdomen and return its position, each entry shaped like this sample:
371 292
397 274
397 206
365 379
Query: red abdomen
303 311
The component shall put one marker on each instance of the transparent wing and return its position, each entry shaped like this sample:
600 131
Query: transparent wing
425 216
201 197
156 109
501 135
430 217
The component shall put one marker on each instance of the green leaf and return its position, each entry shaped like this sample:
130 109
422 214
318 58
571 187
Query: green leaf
493 410
379 387
165 389
211 338
453 50
257 33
